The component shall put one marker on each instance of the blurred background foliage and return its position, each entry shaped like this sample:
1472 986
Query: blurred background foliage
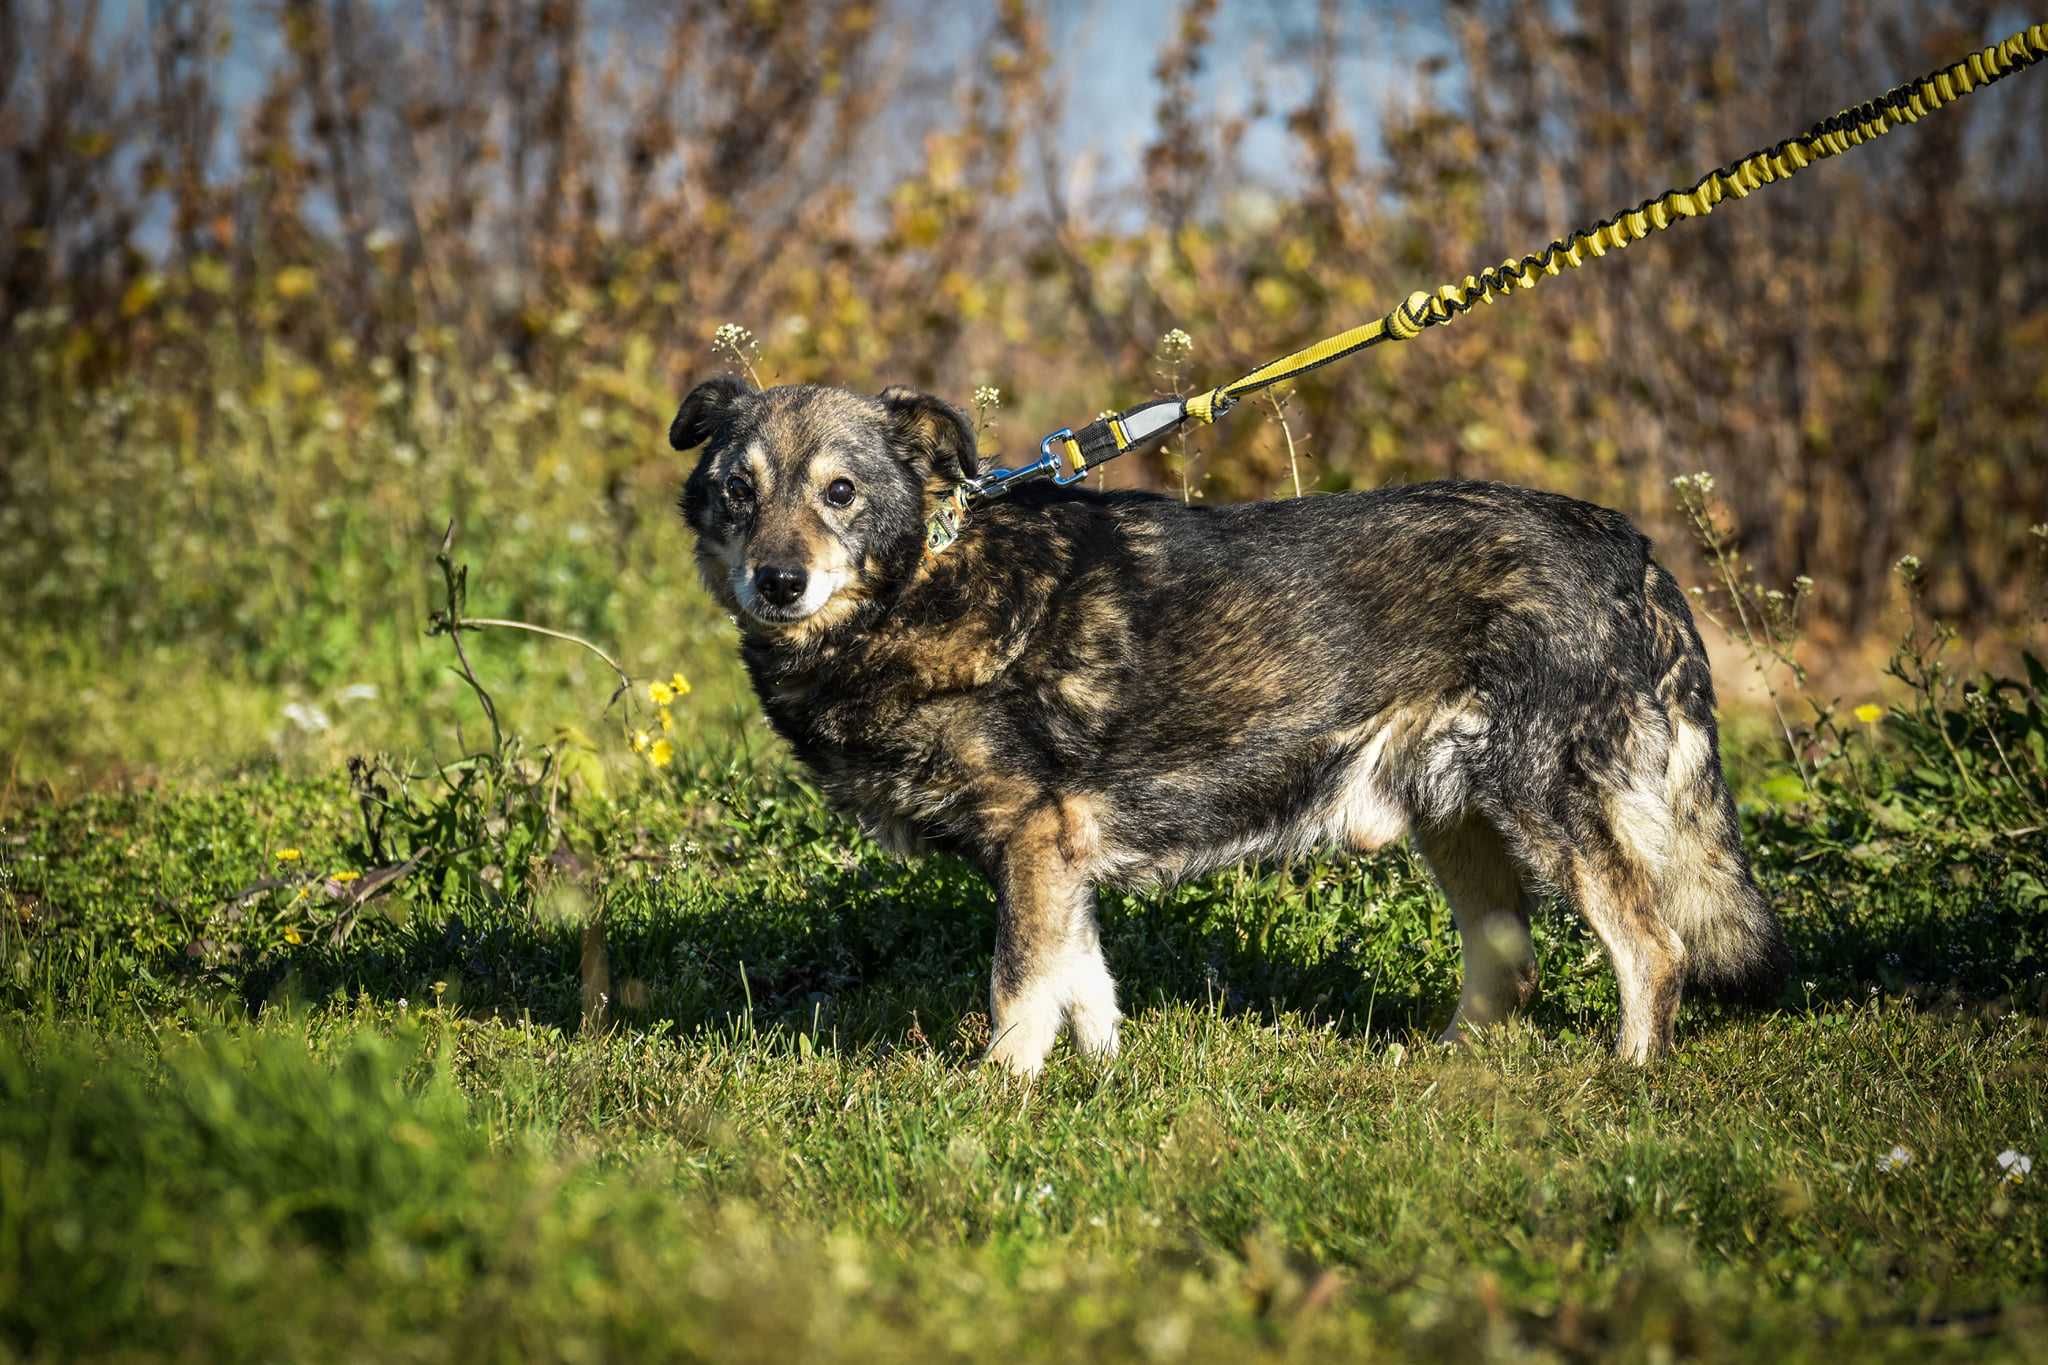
286 286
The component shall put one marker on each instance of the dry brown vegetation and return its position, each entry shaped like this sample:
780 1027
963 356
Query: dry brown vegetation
1862 360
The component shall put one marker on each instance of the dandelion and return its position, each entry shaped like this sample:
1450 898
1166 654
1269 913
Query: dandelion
2016 1166
660 753
291 935
1897 1159
660 693
1869 713
641 741
288 855
345 876
679 685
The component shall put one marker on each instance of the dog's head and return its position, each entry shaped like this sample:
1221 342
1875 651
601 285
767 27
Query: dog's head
809 501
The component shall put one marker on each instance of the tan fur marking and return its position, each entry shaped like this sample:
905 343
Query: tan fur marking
1049 965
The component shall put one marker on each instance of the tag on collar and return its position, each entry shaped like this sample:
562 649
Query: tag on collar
943 527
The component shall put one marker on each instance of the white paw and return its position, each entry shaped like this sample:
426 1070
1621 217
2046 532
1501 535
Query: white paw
1095 1034
1024 1035
1091 1004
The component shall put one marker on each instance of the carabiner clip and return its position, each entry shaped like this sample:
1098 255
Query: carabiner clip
1061 475
997 482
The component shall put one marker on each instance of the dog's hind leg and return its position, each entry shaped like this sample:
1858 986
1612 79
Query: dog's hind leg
1049 963
1491 907
1612 878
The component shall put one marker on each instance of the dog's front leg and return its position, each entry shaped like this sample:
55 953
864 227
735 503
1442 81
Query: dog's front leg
1049 962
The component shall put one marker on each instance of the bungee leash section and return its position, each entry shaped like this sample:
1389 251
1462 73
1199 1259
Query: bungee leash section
1066 455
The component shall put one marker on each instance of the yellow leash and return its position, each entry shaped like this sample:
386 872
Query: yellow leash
1066 454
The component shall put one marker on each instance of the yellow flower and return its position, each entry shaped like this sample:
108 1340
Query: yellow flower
660 754
640 741
345 876
1868 713
287 855
668 722
291 935
661 694
679 684
294 282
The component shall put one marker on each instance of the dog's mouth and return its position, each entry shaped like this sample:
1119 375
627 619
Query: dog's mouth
768 614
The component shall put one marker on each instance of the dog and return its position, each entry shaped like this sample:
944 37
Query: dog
1092 688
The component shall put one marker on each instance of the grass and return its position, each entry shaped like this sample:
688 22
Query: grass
228 1134
633 1061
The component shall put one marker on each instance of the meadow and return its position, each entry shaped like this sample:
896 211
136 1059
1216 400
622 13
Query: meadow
385 976
364 998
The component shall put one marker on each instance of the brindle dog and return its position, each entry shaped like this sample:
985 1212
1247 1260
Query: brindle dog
1094 688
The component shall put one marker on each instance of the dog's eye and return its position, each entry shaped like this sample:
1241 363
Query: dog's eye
739 487
839 492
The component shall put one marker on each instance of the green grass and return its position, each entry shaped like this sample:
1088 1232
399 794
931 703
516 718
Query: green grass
637 1064
226 1134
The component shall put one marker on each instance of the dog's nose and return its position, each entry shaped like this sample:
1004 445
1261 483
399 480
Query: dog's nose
779 585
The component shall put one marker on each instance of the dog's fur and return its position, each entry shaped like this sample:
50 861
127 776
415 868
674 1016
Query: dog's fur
1118 688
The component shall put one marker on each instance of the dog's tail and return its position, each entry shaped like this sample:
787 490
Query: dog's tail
1733 942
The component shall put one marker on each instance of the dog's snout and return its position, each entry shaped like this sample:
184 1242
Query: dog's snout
780 584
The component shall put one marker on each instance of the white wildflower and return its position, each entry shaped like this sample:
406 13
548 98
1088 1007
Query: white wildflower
308 718
1897 1159
1176 344
2017 1166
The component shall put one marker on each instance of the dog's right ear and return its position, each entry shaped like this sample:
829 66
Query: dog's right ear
707 411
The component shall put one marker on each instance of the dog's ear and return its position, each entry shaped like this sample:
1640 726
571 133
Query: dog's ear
707 410
930 435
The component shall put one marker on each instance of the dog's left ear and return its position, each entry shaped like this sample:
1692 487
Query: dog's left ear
930 435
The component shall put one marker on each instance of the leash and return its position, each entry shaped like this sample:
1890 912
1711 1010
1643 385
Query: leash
1067 455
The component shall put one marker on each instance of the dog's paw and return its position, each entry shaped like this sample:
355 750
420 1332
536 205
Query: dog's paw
1095 1033
1015 1060
1024 1040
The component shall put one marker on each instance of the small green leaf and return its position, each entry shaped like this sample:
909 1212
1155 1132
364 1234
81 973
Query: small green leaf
1786 789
